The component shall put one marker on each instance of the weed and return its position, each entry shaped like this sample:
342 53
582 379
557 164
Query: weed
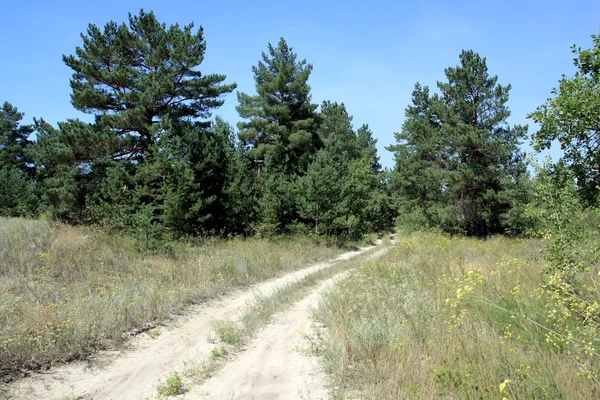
218 352
228 332
172 386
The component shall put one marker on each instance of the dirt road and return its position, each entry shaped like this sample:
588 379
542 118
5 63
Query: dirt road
276 365
270 369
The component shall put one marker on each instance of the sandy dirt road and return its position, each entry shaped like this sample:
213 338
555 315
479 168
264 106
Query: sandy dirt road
276 366
135 372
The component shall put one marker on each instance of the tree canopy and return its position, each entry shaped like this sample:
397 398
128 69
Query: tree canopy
572 117
17 188
132 76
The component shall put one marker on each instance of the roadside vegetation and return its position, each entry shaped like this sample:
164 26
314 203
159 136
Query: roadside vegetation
68 291
155 166
496 317
461 318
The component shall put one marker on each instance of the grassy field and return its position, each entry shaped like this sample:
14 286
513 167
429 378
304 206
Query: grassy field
439 317
67 291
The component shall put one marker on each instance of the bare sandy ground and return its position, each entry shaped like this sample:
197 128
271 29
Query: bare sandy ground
135 373
276 366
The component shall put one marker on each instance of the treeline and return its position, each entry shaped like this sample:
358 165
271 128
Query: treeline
154 164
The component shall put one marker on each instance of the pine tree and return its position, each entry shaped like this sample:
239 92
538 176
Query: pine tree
17 194
200 205
17 189
367 147
342 199
363 201
490 161
280 119
241 210
422 161
70 163
336 131
320 194
14 140
150 156
277 195
457 159
134 76
342 195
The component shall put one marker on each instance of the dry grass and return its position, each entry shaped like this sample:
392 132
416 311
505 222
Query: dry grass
446 318
66 291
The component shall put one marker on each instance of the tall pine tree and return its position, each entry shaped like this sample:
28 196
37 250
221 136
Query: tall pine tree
367 147
457 159
147 152
134 75
280 120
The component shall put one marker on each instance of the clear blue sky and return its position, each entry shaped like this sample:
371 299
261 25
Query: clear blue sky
367 54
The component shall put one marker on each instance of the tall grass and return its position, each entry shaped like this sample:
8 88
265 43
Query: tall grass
66 291
447 318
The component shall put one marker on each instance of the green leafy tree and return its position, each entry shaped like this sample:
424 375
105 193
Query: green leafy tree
461 158
572 252
134 76
280 120
572 117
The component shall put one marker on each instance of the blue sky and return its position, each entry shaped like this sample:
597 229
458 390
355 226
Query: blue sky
367 54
